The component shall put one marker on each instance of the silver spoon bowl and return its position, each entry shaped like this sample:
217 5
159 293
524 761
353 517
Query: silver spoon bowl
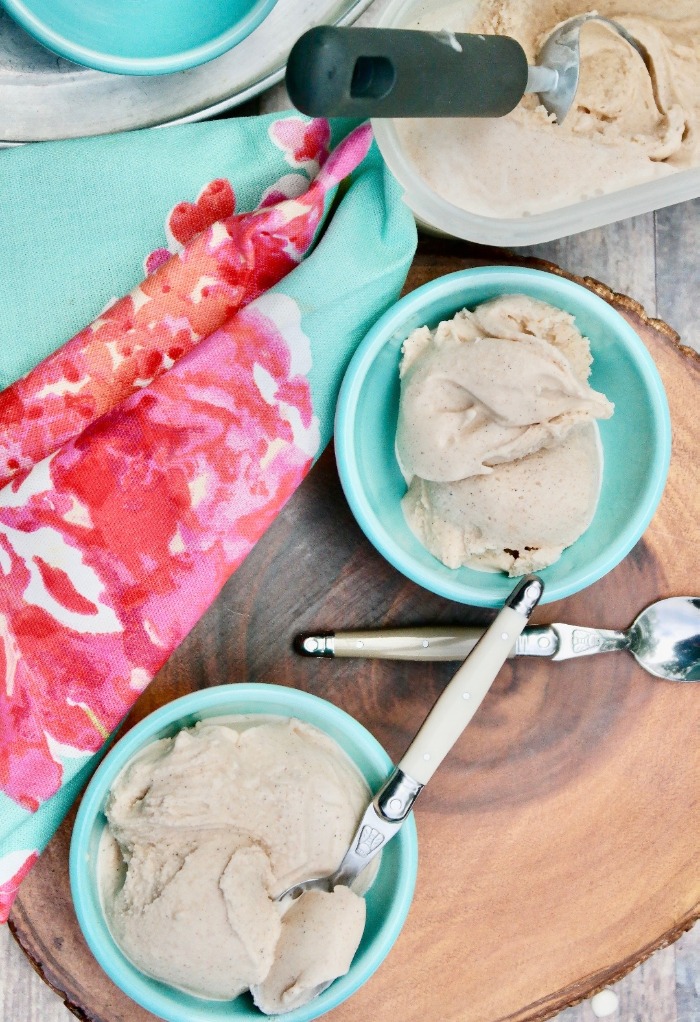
665 639
555 77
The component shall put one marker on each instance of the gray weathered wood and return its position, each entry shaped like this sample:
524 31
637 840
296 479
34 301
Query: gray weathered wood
655 258
621 255
23 996
677 238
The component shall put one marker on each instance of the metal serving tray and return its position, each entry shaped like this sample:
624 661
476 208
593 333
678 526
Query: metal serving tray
44 97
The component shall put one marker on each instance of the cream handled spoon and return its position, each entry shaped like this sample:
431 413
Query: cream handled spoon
664 639
442 727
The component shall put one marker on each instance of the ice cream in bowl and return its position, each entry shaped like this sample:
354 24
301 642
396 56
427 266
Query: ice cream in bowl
498 421
193 824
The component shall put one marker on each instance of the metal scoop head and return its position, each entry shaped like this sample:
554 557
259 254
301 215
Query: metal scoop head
555 77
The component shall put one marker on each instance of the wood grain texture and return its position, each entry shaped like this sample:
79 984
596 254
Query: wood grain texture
558 841
645 995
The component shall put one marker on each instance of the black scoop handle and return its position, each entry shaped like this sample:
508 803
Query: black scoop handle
394 72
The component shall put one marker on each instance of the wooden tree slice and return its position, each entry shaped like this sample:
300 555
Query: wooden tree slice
558 842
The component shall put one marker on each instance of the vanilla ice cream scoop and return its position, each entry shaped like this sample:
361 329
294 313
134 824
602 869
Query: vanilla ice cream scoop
519 518
497 435
320 934
205 830
470 401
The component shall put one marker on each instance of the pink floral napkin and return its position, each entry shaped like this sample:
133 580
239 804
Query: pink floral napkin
141 461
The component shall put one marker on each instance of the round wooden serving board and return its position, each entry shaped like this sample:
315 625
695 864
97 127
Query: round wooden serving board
558 842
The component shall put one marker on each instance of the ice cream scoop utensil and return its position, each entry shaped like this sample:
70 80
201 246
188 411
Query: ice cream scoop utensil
388 72
664 639
442 727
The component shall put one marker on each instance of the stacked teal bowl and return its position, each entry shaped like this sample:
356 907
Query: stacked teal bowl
139 37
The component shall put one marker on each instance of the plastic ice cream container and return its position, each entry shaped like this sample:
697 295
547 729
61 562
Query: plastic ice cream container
438 215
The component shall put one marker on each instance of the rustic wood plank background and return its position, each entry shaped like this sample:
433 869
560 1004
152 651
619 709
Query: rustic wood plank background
654 258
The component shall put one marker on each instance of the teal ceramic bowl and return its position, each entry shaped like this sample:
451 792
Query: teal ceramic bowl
388 900
139 37
636 440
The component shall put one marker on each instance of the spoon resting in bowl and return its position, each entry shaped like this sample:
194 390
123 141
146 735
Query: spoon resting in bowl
440 730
